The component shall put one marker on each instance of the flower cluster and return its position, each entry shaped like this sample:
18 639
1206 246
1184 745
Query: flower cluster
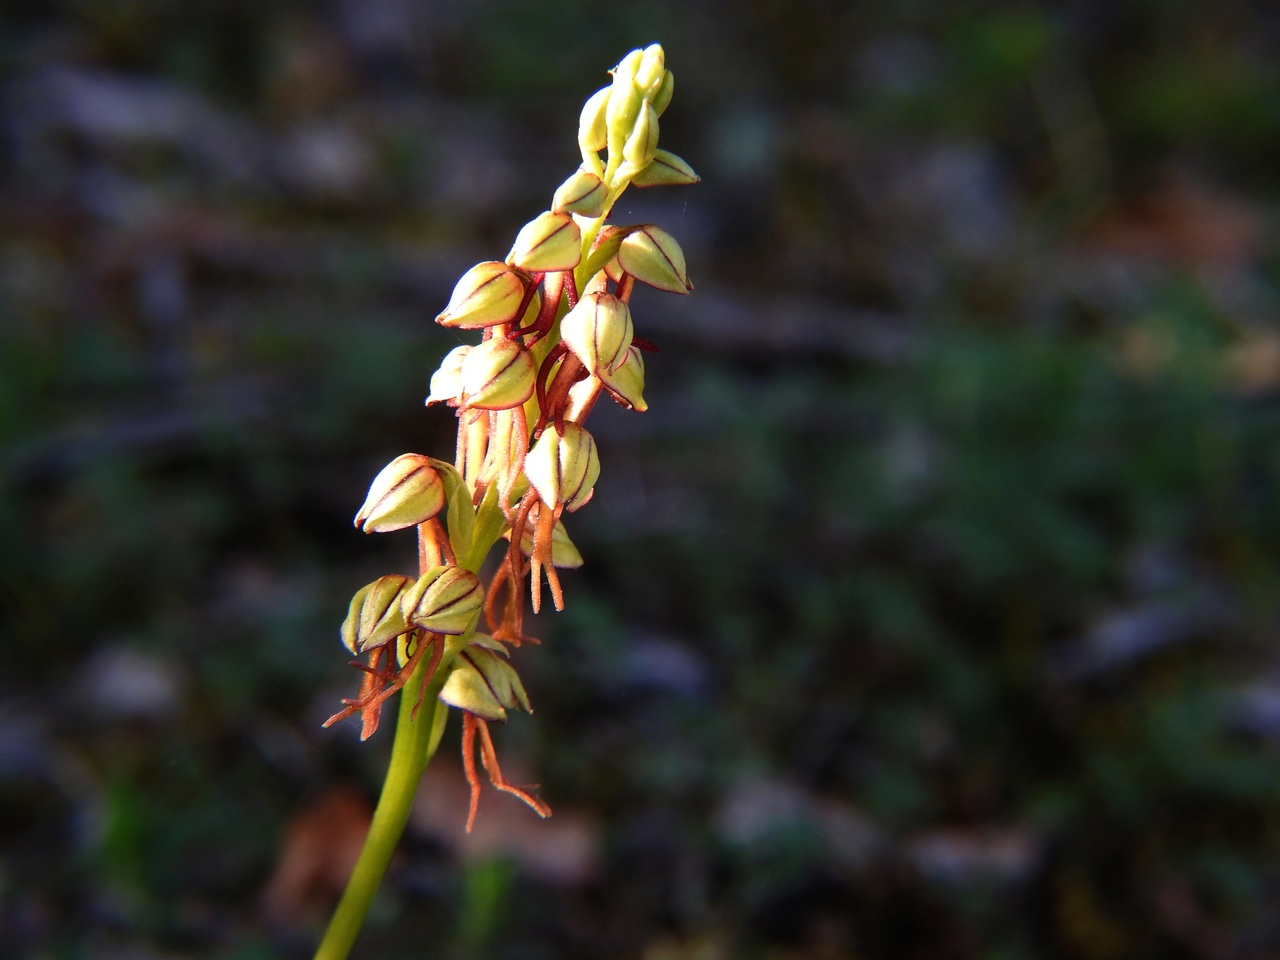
557 333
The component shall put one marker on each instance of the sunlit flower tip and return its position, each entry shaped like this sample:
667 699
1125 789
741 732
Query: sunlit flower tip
446 382
624 101
405 492
549 242
651 69
583 193
666 169
598 330
626 384
661 96
643 142
563 466
597 284
612 270
593 132
563 552
443 600
624 74
484 684
497 375
653 256
374 616
487 294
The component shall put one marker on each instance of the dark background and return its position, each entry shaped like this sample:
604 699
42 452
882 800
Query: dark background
931 611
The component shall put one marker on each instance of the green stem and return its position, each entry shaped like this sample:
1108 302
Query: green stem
415 743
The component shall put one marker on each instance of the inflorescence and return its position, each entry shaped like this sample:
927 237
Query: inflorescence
557 333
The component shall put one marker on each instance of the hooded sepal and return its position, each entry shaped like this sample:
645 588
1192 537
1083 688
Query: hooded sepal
405 493
653 256
375 616
443 600
489 293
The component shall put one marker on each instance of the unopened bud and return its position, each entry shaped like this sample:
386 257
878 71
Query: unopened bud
661 97
563 466
484 684
497 375
443 600
405 492
593 132
626 384
651 69
487 294
666 169
374 616
653 256
643 142
550 242
624 101
598 330
446 382
583 193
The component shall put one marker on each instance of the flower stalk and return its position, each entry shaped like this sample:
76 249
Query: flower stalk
556 333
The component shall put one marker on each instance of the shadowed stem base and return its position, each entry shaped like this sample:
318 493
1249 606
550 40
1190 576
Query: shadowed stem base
415 743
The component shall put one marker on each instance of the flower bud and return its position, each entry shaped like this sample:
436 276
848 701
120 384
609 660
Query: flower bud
405 492
549 242
598 330
666 169
443 600
498 374
484 684
487 294
652 256
624 101
626 384
583 193
563 467
446 382
593 133
651 69
661 96
374 616
643 142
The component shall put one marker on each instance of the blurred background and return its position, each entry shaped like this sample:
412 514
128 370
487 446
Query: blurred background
931 611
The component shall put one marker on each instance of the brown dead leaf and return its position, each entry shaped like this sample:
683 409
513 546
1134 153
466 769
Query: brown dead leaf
1182 222
319 851
1252 365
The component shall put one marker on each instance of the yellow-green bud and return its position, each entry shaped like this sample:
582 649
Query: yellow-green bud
661 97
374 616
651 69
652 256
405 492
666 169
583 193
443 600
488 293
563 467
484 684
626 384
446 382
593 133
598 330
497 375
643 142
550 242
624 101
